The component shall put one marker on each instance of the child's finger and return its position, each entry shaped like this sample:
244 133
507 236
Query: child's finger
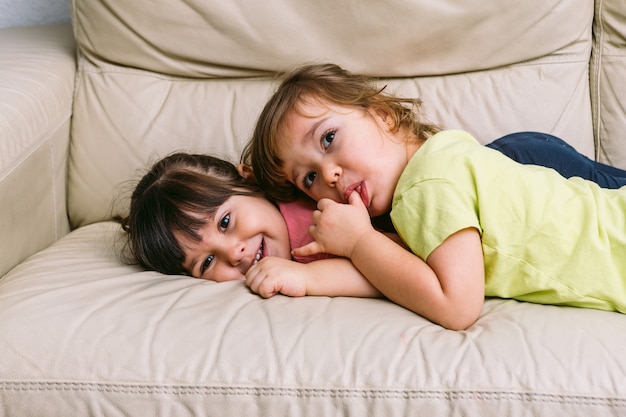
324 203
251 279
254 278
354 199
307 250
259 284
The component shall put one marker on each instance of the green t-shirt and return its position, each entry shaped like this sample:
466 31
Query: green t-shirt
545 239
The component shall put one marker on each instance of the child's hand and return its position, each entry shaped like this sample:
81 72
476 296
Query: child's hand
337 227
272 275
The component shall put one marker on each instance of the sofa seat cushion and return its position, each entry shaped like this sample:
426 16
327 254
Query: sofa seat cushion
84 334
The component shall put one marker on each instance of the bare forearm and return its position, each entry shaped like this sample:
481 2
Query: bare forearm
338 277
410 282
407 280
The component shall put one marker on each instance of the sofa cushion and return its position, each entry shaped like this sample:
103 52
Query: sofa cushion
83 334
608 89
193 75
402 38
37 69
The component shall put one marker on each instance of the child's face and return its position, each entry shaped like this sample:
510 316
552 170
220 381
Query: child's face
330 151
244 230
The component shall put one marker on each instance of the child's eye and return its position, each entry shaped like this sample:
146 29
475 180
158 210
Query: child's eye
224 221
327 138
308 180
206 264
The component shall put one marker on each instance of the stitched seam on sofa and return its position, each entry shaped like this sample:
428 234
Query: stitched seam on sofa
42 141
597 50
53 180
365 393
86 66
553 59
619 54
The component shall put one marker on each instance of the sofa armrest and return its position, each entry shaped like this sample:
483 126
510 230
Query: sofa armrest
37 71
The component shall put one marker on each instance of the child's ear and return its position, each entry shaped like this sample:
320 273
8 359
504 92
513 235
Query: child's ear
384 116
247 173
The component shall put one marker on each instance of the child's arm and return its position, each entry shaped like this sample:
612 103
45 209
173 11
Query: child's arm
331 277
447 289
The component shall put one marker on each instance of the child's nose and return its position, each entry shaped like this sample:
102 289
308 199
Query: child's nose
331 174
235 252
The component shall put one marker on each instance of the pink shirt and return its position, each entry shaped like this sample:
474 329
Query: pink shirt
297 215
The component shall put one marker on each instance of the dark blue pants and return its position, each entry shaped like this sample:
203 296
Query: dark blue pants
534 148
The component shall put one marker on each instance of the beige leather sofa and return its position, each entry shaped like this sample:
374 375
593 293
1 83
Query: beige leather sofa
84 109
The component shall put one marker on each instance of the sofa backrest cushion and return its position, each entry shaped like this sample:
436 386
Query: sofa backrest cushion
155 77
608 81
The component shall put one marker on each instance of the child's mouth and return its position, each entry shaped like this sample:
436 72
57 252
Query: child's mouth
360 188
259 253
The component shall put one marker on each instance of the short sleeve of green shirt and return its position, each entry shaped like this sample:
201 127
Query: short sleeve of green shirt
417 205
439 169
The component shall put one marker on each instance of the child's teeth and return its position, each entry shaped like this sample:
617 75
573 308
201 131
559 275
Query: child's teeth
259 254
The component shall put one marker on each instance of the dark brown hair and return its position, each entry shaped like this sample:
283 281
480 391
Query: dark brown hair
178 193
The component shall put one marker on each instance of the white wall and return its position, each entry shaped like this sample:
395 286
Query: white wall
33 12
